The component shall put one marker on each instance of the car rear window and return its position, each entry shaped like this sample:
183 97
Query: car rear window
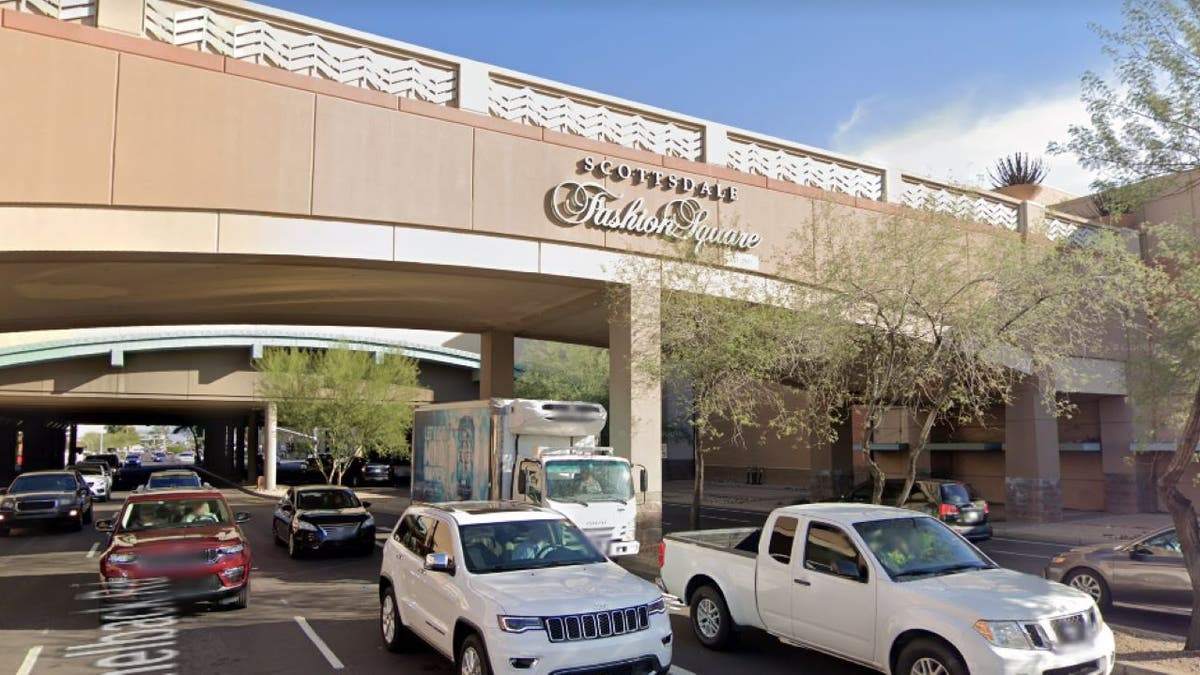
955 493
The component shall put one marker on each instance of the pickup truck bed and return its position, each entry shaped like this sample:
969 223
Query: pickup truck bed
736 571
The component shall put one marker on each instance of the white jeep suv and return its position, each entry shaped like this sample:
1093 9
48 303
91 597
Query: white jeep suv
509 588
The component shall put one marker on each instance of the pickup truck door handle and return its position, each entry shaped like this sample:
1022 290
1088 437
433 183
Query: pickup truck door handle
801 582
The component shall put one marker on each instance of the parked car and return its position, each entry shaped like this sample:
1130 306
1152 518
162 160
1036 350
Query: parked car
98 478
375 473
401 471
505 587
45 498
888 588
313 518
1147 572
173 478
188 536
953 502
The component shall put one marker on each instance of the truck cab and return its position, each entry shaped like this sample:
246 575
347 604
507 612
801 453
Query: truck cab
590 486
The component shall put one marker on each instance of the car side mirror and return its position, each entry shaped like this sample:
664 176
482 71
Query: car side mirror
847 568
366 505
241 516
644 480
1138 551
439 562
521 482
104 526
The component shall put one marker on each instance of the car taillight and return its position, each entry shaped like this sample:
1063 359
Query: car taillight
662 552
985 508
947 510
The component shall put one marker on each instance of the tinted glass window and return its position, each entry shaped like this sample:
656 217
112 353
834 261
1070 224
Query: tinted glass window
90 470
825 546
955 493
413 534
783 536
1166 543
45 483
911 548
313 500
523 545
172 513
173 481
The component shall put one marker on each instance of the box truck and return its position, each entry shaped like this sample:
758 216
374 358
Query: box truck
539 452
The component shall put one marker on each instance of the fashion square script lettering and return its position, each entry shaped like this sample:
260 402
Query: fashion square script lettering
591 205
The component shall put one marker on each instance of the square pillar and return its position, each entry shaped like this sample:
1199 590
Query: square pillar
1122 488
72 443
269 447
832 472
239 449
496 365
635 404
8 453
1032 483
252 449
214 448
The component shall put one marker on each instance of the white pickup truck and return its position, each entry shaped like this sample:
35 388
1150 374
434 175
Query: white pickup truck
500 587
887 588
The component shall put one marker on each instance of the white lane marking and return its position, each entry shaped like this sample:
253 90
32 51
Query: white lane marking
1039 556
320 644
31 658
92 551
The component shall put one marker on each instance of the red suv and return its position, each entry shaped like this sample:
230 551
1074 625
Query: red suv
189 537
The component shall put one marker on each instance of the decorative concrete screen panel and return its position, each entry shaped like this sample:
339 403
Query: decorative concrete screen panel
63 10
299 52
964 204
803 168
1060 229
558 111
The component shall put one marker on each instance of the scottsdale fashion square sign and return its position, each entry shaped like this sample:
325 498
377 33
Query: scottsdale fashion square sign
591 204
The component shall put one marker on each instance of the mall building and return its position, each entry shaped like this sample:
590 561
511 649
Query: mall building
195 162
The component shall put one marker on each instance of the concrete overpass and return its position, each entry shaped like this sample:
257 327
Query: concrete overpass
216 161
201 376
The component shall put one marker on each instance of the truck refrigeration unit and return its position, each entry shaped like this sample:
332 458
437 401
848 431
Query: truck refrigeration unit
539 452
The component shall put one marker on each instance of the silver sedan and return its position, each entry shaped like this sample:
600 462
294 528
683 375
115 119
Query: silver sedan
1146 572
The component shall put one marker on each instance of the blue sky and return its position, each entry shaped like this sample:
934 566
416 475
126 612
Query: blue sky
933 86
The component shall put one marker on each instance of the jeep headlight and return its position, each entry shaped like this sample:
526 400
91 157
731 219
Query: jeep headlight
1006 634
659 606
519 624
7 503
232 549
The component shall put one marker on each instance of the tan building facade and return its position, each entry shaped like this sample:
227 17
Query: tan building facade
200 163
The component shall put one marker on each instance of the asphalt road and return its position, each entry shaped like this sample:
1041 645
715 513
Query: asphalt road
312 615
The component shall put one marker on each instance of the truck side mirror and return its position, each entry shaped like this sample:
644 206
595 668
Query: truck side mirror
644 482
439 562
521 478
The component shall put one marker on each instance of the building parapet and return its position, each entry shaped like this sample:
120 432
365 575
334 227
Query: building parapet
302 45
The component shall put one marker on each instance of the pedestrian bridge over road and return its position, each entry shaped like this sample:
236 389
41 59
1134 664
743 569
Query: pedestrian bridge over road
206 161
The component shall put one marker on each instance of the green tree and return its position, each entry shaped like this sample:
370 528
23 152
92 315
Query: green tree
563 372
357 402
1143 139
924 313
121 436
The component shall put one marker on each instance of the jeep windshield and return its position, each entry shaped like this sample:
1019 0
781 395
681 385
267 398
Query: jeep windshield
588 480
913 548
525 545
172 513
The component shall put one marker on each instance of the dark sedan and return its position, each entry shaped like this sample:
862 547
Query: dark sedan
313 518
1147 572
950 501
46 498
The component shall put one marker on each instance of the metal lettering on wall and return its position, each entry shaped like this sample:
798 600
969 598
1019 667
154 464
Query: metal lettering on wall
591 205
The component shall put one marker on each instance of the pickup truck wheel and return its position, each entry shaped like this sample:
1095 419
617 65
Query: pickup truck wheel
1089 581
391 627
472 657
930 657
710 619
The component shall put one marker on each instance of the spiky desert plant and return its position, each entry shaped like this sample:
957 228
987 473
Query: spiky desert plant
1017 169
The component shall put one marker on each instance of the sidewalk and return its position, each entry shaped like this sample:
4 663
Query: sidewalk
764 498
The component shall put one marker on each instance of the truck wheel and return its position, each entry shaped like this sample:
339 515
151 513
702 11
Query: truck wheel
472 657
391 626
930 657
710 619
1089 581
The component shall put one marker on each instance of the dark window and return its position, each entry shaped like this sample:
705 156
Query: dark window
955 493
783 537
826 545
1166 543
413 534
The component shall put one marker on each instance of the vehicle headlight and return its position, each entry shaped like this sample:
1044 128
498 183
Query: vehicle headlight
233 549
7 503
369 522
519 624
1058 560
298 524
1007 634
122 558
659 606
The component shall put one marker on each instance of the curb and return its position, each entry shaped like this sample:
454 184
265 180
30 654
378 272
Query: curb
1123 668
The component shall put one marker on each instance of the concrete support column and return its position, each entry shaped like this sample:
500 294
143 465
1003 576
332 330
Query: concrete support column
41 446
239 449
252 449
269 449
8 454
1121 485
72 442
1032 484
496 365
832 472
214 447
635 404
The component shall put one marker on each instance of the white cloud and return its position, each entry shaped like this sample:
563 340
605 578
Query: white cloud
959 140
